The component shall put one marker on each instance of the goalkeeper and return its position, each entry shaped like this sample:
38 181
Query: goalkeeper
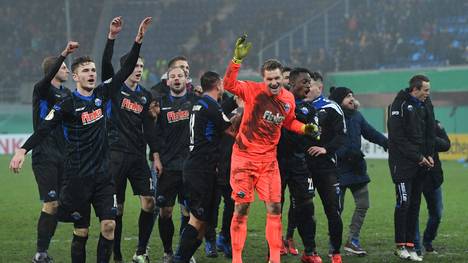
268 107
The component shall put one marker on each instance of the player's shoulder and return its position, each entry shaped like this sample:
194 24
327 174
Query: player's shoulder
286 96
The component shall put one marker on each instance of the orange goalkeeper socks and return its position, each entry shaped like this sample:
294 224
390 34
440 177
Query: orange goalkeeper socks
273 236
238 235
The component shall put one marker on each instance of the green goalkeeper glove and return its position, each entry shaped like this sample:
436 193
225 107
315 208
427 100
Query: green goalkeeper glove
241 49
312 130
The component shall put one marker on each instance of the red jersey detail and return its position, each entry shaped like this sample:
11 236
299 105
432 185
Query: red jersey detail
90 117
131 106
264 115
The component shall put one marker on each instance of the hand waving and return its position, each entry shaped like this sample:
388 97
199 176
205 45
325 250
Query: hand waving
241 49
142 29
115 27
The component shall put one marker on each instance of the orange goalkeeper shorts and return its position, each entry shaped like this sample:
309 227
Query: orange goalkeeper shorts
247 175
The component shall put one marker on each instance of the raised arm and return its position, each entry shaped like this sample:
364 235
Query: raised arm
107 70
130 62
44 84
230 81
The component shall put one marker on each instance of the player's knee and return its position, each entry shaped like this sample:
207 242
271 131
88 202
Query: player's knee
165 212
274 208
50 207
242 209
81 232
107 229
147 203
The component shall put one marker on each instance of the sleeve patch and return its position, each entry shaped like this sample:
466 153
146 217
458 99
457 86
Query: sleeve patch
50 116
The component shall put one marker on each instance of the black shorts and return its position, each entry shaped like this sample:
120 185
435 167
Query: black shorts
201 194
170 185
78 194
135 168
297 177
48 174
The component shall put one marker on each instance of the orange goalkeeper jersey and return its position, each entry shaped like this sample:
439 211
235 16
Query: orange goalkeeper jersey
264 115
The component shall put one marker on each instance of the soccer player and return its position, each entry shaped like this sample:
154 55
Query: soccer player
293 167
207 124
86 179
432 191
172 129
131 126
47 157
162 88
268 107
411 138
352 167
321 160
289 246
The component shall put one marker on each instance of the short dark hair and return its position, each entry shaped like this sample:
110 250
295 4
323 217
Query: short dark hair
124 58
417 81
173 60
47 64
316 76
286 69
209 80
296 72
80 60
271 64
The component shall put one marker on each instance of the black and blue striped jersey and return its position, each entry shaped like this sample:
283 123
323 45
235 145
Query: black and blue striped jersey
83 119
131 125
207 125
45 96
172 130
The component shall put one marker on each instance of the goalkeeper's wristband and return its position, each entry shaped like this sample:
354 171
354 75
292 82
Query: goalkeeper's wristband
236 60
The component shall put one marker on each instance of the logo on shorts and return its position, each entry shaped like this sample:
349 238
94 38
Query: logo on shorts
52 194
240 194
76 216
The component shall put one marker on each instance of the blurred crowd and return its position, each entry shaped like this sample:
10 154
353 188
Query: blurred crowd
370 35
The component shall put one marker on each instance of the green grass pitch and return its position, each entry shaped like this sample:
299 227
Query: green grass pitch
19 210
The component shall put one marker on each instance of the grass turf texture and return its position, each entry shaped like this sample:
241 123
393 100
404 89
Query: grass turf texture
20 208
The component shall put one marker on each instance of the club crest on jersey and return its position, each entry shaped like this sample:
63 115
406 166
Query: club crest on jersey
304 110
410 107
90 117
270 117
175 116
131 106
98 102
287 107
144 100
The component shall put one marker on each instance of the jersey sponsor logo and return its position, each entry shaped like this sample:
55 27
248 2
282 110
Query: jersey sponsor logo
131 106
270 117
90 117
175 116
